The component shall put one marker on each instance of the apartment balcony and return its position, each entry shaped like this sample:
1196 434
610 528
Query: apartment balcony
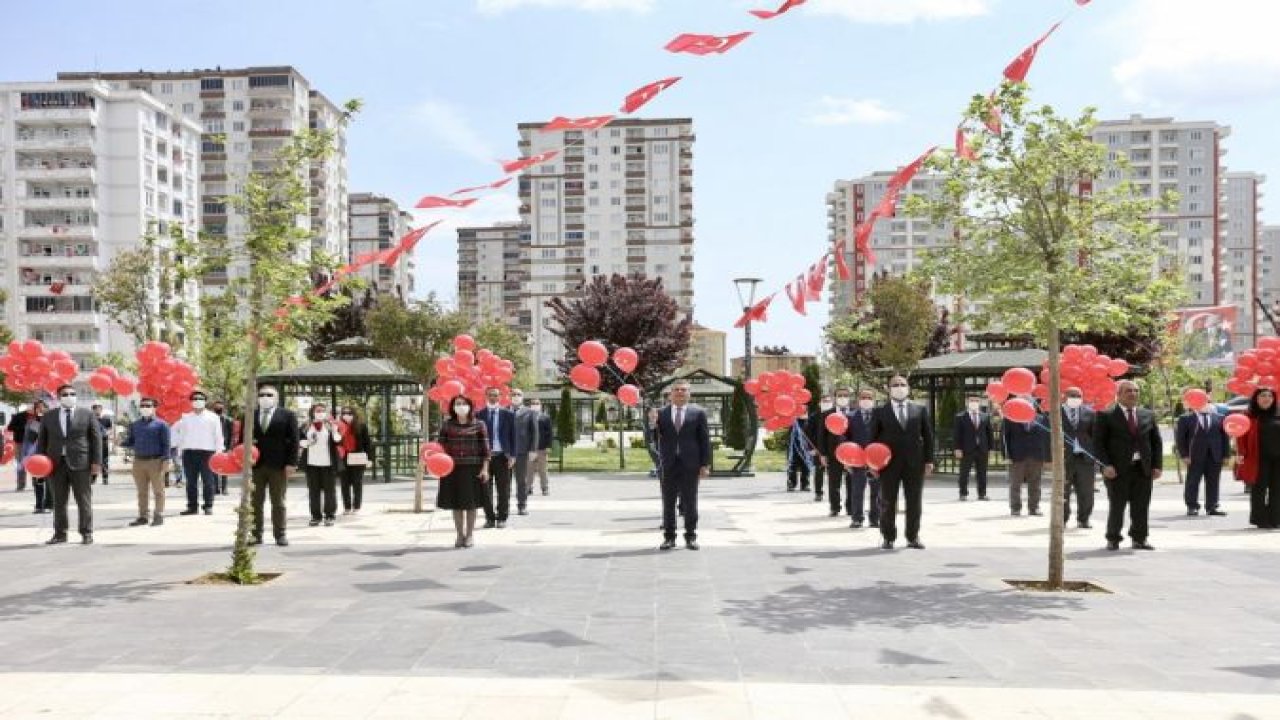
75 173
60 116
53 231
78 141
270 132
42 290
60 318
266 111
60 261
61 203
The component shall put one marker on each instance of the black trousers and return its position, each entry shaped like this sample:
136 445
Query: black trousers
522 480
679 482
273 479
977 463
859 481
797 471
352 486
1130 489
500 482
1264 494
321 482
911 483
44 494
1079 480
65 483
819 477
835 482
1208 470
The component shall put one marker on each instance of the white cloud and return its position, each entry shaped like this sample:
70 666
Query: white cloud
898 12
848 111
436 256
448 124
495 7
1185 51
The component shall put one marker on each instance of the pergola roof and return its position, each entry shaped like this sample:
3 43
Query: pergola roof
980 362
344 371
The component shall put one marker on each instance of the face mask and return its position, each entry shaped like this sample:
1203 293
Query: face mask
517 400
825 406
147 411
321 416
492 404
462 410
535 407
67 401
1074 403
267 403
197 404
898 393
975 407
842 401
866 404
348 417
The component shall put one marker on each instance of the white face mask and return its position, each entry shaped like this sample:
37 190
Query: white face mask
517 400
866 404
267 403
535 407
1074 402
147 412
321 416
842 401
899 393
975 407
67 401
492 404
825 406
462 410
348 417
197 404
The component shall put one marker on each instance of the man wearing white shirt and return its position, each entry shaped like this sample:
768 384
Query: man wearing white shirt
197 436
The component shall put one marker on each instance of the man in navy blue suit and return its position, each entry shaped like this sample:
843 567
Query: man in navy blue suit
859 480
684 458
908 431
971 431
1026 444
501 424
1203 447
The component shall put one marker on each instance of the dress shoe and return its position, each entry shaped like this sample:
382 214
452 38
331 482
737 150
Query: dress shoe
1216 512
139 521
56 540
313 523
915 544
791 488
983 498
255 540
1015 513
874 524
1192 513
1035 513
817 498
189 511
208 511
855 524
1113 545
668 544
86 539
461 542
157 520
490 524
1084 526
1144 545
328 522
691 544
470 542
886 545
282 541
502 524
964 498
522 511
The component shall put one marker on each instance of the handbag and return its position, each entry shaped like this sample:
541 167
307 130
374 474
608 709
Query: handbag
357 459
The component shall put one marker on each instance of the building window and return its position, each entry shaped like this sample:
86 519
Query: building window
257 81
237 106
188 108
211 83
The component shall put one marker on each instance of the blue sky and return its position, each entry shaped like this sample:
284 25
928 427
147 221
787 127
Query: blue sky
834 89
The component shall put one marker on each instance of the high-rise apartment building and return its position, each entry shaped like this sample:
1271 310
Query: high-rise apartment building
707 350
377 223
1269 274
1241 251
247 115
615 200
86 170
493 275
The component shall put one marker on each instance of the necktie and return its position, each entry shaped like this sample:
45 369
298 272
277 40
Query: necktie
902 414
679 418
66 420
1075 417
1204 421
264 419
1133 422
975 419
866 418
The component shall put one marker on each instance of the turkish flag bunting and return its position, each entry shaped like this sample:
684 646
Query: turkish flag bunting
789 4
796 291
862 238
639 97
582 123
755 313
705 44
1082 3
842 263
817 280
57 288
296 300
364 259
1017 70
963 150
903 176
515 166
992 121
435 201
491 186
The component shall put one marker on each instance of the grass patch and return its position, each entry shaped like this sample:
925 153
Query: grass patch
1071 586
221 578
637 460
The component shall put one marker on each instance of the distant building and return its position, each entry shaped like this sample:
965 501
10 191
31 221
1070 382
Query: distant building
377 223
706 351
761 363
493 275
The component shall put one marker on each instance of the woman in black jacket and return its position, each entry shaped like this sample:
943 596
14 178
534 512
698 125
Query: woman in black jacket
357 454
320 459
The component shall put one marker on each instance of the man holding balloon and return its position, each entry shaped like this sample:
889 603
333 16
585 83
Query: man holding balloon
68 450
907 430
1131 453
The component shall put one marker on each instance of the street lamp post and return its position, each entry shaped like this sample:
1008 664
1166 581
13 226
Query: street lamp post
746 297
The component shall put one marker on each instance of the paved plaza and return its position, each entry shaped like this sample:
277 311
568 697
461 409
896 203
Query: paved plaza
571 612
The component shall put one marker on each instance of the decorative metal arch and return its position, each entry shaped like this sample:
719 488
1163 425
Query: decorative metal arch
742 464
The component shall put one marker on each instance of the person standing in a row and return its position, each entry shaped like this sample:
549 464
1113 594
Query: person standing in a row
908 431
826 448
538 454
357 454
814 429
1258 460
104 426
1079 464
525 422
1026 445
973 441
500 424
864 487
17 429
275 434
1131 453
684 450
1203 446
197 436
150 439
466 440
71 438
228 433
320 446
27 443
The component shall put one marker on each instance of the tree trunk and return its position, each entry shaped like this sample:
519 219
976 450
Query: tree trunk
1057 522
242 555
418 473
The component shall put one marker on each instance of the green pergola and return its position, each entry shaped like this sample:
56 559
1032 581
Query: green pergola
360 380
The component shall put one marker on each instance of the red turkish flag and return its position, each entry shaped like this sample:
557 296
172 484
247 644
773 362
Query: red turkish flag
817 279
903 176
789 4
582 123
993 121
57 288
364 259
491 186
705 44
862 238
639 97
1016 71
796 292
1082 3
963 150
755 313
515 166
435 201
842 263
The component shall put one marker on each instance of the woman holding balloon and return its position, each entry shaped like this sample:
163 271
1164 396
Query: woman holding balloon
465 443
1258 465
27 447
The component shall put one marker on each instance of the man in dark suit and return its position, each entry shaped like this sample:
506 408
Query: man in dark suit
538 453
72 439
1079 464
104 424
17 428
1203 447
276 434
908 431
684 458
220 409
859 479
1131 453
813 430
526 439
501 424
971 431
1027 445
826 447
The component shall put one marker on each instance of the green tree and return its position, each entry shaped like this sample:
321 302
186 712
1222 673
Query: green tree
6 336
348 321
906 320
735 432
143 289
566 421
1040 254
813 383
602 416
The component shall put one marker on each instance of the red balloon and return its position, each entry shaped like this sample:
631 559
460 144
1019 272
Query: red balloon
1236 424
784 405
878 456
629 395
100 383
124 386
1019 381
593 352
777 422
38 466
464 358
222 464
626 359
237 455
7 454
453 389
751 387
427 451
585 377
850 454
996 391
1118 367
1195 398
1019 410
440 465
464 342
837 423
33 349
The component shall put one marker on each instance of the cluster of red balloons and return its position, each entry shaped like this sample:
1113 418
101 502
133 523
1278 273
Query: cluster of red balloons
781 397
106 380
167 379
850 454
593 355
1082 367
1257 368
231 462
469 372
38 466
29 365
436 460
